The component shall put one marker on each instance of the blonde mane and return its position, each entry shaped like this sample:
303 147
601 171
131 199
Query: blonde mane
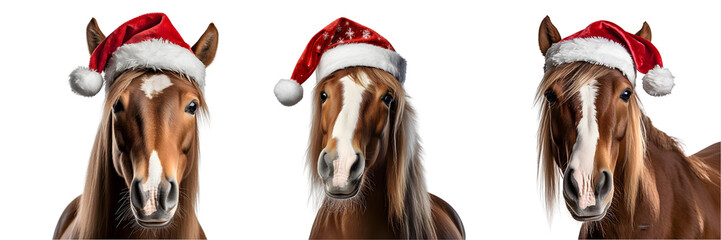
98 205
408 200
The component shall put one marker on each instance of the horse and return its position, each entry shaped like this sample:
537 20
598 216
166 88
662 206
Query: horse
148 134
642 183
364 153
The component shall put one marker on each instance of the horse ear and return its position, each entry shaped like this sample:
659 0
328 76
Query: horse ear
93 35
206 46
645 32
547 35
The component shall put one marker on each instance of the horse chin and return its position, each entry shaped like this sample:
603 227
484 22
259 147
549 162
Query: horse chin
153 224
590 214
342 196
336 202
346 195
158 219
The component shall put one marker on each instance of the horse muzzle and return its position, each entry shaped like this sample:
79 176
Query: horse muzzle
154 205
341 175
586 200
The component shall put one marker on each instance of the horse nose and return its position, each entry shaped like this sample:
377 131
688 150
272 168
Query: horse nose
167 195
326 169
341 176
604 184
602 188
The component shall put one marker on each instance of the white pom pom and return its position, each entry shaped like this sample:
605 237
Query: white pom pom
288 92
658 81
86 82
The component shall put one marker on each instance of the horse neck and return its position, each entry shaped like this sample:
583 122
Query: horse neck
668 178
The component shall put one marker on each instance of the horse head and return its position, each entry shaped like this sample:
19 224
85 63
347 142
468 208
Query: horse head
152 123
590 131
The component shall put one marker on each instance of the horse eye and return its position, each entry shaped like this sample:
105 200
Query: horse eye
550 96
387 99
626 94
118 107
323 97
191 108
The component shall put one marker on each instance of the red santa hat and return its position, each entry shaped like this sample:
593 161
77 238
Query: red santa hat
146 42
341 44
605 43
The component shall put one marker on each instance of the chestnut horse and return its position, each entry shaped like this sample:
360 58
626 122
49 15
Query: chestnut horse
364 152
642 183
148 135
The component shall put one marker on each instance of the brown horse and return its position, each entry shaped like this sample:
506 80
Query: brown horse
148 139
365 154
641 183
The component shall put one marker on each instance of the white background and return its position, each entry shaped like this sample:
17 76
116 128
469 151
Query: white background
472 73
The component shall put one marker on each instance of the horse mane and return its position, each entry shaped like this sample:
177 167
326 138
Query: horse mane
408 201
99 205
635 169
660 139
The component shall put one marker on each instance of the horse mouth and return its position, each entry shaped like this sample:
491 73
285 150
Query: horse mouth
352 194
590 218
590 214
158 219
153 223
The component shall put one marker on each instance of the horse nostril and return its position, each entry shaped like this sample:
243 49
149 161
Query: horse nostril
356 170
168 196
604 185
137 196
570 186
324 169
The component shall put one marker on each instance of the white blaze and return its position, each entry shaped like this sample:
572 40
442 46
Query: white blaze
584 149
344 127
155 84
155 173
